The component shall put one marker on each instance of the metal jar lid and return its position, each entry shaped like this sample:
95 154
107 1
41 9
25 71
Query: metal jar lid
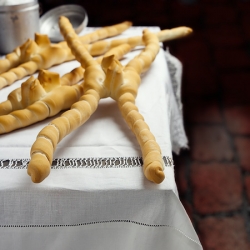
49 21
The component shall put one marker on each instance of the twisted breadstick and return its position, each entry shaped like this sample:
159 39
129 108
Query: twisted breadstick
15 100
10 61
29 66
152 159
109 79
40 104
41 54
29 92
100 47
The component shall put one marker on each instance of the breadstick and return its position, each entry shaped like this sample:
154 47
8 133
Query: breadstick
15 101
11 60
29 92
42 150
152 159
59 98
72 77
174 33
113 80
41 54
100 47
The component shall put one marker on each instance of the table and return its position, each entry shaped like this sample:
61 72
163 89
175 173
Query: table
96 196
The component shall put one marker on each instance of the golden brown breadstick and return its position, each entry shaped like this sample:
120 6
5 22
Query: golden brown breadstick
29 66
10 61
15 101
100 47
152 159
26 95
41 54
73 77
41 104
109 79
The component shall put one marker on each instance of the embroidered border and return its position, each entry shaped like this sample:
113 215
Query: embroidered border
101 222
63 163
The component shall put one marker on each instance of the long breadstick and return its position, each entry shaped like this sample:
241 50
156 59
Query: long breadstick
41 54
98 48
100 82
16 101
152 159
49 104
29 92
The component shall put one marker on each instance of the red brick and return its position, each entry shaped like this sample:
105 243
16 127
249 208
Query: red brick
216 187
247 184
223 233
199 80
232 58
202 111
238 119
210 143
236 88
181 177
243 149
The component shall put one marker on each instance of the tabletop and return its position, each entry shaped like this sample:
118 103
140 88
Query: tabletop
96 196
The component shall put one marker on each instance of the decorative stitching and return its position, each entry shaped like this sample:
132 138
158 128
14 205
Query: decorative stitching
64 163
101 222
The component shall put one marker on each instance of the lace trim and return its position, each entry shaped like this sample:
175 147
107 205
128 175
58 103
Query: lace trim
114 162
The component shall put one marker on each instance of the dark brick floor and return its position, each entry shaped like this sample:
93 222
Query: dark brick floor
213 176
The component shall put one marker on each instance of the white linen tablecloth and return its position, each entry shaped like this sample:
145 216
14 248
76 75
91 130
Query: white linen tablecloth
96 196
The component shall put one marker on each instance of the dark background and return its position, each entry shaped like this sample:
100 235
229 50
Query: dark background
213 176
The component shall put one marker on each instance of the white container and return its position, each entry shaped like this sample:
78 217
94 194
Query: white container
18 23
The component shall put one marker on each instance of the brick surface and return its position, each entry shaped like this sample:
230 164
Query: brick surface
223 234
203 111
216 187
199 80
243 150
235 88
238 119
247 184
189 210
181 177
210 143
